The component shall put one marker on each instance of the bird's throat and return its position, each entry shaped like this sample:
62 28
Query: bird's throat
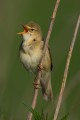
26 36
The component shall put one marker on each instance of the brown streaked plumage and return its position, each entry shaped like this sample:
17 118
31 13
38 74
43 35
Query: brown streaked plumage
31 50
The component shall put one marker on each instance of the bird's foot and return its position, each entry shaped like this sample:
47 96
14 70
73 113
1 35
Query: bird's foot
36 85
40 67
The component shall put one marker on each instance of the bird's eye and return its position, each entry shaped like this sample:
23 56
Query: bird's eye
32 29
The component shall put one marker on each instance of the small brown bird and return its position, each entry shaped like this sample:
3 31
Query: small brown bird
31 50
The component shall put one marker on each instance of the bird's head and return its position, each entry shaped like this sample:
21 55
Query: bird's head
31 31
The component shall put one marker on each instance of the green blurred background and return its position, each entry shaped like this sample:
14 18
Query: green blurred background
15 83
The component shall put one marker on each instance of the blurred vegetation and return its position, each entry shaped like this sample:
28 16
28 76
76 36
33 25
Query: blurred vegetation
15 83
41 115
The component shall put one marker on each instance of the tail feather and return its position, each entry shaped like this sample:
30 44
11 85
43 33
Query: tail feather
46 86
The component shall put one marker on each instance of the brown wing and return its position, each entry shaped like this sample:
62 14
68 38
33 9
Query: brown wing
50 58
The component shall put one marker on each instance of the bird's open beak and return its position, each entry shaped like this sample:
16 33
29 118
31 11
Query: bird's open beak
25 30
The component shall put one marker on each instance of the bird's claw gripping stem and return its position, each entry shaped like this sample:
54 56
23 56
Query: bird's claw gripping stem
40 67
36 85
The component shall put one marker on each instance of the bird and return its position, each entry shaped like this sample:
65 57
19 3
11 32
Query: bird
31 50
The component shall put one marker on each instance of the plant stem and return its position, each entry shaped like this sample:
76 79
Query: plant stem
66 70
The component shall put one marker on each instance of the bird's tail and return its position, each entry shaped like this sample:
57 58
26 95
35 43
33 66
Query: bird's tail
46 85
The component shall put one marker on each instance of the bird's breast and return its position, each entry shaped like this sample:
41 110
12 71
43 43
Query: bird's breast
31 59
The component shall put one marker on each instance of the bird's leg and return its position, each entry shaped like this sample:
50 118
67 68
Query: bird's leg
35 82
